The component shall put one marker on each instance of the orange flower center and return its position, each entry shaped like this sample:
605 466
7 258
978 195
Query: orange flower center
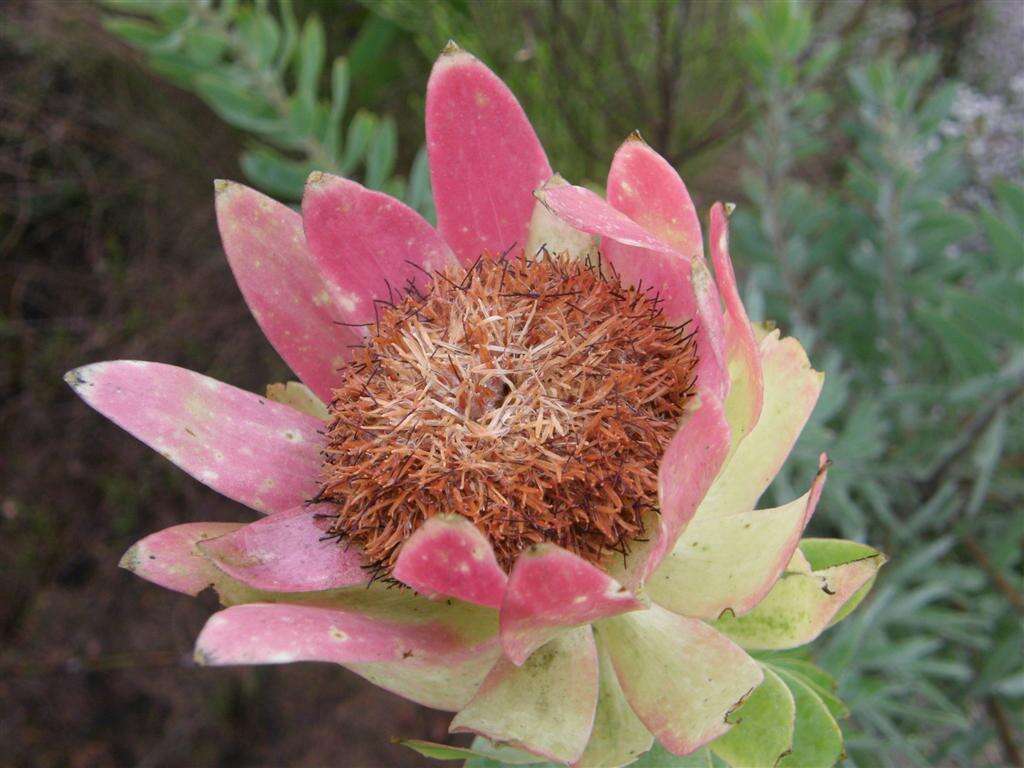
533 397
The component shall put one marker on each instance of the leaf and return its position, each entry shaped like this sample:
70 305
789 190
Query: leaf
482 754
1011 197
261 34
360 132
437 751
963 353
935 232
370 55
310 59
418 194
763 729
301 116
176 67
281 177
340 83
817 679
986 461
204 47
827 553
817 738
290 36
659 757
1012 686
1006 244
801 606
380 156
503 754
237 104
143 34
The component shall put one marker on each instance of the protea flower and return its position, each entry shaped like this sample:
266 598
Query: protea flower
519 479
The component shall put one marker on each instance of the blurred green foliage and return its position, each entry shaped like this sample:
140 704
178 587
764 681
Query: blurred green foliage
594 72
911 301
861 229
262 72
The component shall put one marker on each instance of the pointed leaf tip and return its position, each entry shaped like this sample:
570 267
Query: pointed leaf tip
635 135
451 48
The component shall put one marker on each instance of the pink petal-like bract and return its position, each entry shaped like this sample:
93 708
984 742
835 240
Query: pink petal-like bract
680 676
739 335
588 212
731 562
550 589
278 633
643 185
371 244
287 552
293 301
546 706
255 451
509 416
172 559
791 389
450 556
689 467
485 159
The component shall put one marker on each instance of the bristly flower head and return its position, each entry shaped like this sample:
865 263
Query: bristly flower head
534 397
518 481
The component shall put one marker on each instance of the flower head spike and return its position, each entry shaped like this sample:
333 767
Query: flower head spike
548 421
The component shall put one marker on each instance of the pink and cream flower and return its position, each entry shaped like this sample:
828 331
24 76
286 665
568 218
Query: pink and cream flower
544 419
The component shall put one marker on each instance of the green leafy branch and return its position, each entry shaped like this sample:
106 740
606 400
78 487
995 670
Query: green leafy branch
262 73
918 295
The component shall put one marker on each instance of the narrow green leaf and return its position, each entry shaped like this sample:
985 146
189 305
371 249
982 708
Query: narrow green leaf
1011 197
1007 245
381 154
968 357
310 59
143 34
339 100
301 116
289 36
418 194
826 553
437 751
817 738
504 755
763 727
360 132
986 461
261 34
659 757
203 46
275 174
237 104
817 679
482 754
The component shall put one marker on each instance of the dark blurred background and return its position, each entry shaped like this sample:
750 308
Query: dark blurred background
874 149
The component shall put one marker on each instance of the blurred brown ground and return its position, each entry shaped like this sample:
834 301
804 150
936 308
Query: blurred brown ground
109 249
